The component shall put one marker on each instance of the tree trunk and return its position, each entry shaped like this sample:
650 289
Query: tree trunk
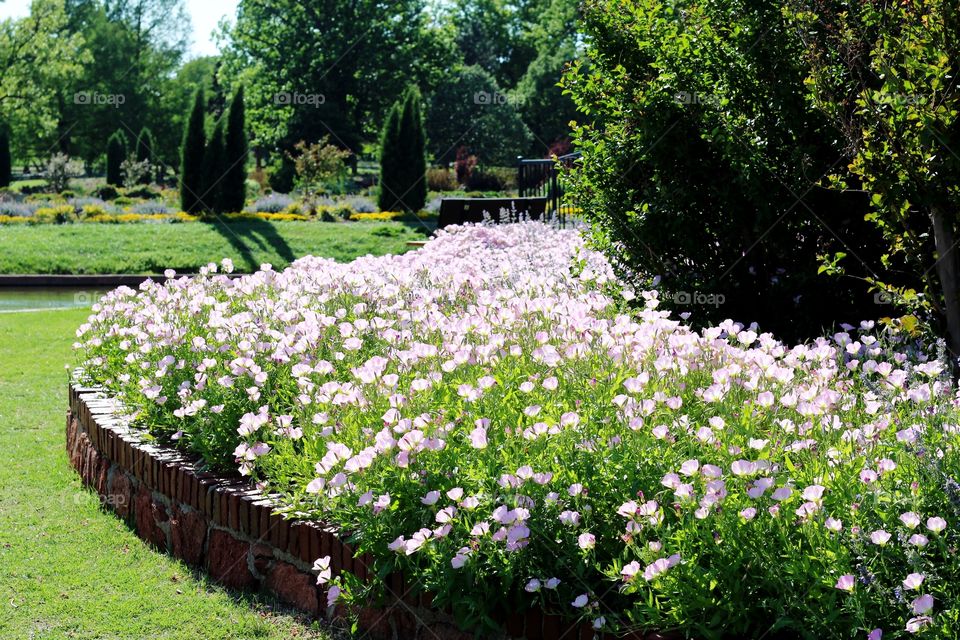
948 272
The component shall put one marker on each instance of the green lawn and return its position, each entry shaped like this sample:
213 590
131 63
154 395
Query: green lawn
68 569
151 248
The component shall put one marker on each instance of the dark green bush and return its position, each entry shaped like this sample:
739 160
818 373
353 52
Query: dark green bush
211 192
106 192
703 164
142 192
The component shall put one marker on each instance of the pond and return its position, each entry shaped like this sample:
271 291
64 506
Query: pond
30 298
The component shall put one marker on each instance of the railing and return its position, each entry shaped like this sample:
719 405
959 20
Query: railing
541 178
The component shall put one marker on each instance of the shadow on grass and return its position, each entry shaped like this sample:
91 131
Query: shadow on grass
246 235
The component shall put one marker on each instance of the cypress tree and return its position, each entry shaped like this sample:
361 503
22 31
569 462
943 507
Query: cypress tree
211 194
233 193
116 153
191 157
403 162
415 141
5 162
390 170
145 145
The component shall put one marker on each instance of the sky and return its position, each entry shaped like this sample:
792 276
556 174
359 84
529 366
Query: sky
204 15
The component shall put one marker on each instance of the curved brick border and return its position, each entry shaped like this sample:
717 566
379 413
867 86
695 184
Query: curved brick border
228 528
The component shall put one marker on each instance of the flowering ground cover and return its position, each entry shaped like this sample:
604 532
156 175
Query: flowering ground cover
496 416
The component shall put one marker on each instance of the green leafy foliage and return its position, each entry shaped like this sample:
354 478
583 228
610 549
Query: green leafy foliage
402 156
703 162
116 154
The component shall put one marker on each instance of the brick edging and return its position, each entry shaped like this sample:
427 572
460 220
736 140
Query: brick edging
225 526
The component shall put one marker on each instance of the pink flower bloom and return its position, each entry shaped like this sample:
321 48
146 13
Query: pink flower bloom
910 519
630 571
868 476
748 513
690 467
580 601
478 438
322 567
913 581
431 498
923 604
832 524
879 537
586 541
876 634
846 582
333 594
813 493
919 540
570 518
936 524
915 625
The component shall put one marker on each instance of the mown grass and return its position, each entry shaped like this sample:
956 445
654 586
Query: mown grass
151 248
67 568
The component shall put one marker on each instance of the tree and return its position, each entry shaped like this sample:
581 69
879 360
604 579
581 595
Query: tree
390 157
116 154
38 54
192 156
317 165
702 163
5 161
883 74
214 170
413 143
471 110
145 145
235 157
402 156
313 69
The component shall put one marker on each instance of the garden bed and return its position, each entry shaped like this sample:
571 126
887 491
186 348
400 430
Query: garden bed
224 525
500 416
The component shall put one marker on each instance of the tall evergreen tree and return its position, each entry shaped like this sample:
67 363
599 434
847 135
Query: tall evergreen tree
390 170
145 149
402 156
234 183
411 126
211 193
192 157
5 162
116 154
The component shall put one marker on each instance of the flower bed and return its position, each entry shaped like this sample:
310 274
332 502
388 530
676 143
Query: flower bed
496 416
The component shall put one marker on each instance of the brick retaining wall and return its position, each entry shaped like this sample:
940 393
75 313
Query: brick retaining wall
225 526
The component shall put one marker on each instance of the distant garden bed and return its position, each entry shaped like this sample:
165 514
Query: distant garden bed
496 415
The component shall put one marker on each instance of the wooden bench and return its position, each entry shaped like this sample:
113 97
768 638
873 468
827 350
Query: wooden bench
462 210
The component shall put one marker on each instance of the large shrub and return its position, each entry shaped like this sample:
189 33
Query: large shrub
192 157
234 193
488 416
880 73
703 162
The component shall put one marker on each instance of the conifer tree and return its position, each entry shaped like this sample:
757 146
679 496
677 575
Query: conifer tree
192 157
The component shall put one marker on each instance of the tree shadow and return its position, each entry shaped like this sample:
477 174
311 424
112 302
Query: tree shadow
247 235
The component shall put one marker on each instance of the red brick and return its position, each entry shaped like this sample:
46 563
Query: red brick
147 513
188 532
293 587
375 624
262 557
119 492
533 625
227 560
